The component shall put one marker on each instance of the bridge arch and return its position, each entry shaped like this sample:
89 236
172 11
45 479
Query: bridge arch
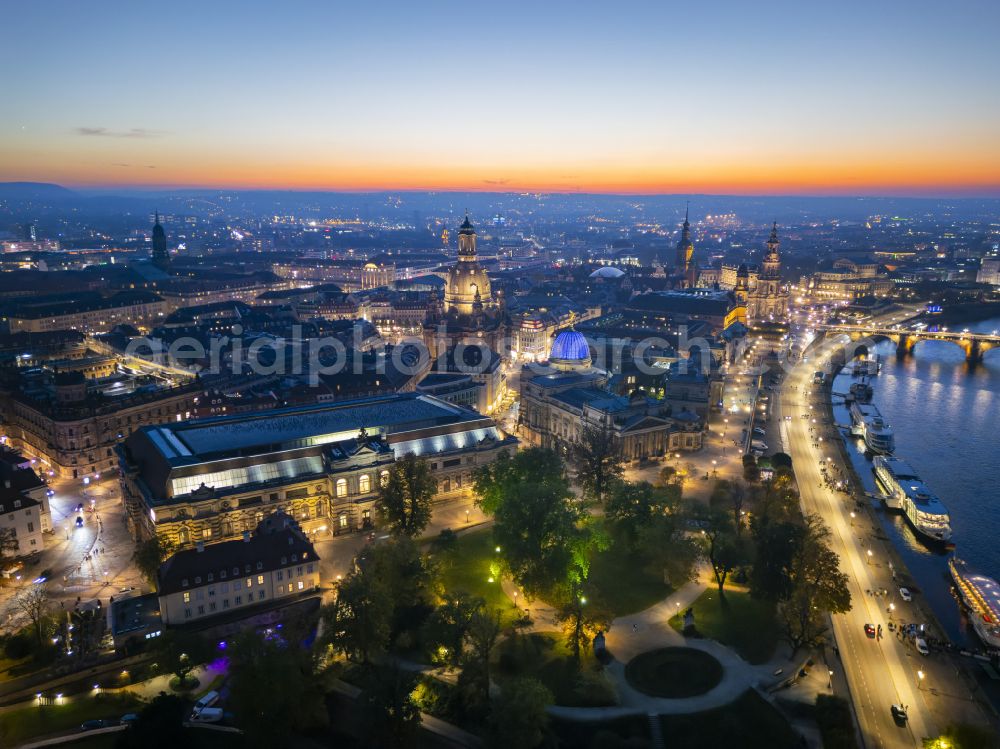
964 346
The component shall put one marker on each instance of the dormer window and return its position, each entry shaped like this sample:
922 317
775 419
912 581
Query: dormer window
260 565
197 581
211 577
236 571
284 560
222 574
184 583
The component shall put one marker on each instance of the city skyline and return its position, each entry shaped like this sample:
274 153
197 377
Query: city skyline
646 99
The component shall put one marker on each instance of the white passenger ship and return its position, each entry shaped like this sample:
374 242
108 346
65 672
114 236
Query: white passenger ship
923 509
981 595
867 422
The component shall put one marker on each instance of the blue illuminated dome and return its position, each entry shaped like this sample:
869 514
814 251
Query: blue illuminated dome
608 271
570 350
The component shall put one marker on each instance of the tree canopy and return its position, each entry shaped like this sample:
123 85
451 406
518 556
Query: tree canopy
535 519
597 457
405 496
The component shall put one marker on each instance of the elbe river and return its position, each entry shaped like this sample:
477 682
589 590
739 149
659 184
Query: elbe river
946 418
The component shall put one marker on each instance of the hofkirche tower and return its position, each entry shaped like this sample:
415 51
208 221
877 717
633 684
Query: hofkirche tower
769 299
471 312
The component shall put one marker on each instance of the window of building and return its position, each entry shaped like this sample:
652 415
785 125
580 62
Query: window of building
238 601
343 520
201 611
260 579
364 483
187 597
249 582
211 606
260 595
301 585
206 533
383 478
225 603
279 575
309 569
341 487
187 613
31 527
298 571
211 577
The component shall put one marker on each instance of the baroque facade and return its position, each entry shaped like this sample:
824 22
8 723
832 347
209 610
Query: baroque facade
211 480
559 400
768 300
471 313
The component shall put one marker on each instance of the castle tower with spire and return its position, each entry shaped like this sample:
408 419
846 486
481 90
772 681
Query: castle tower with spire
769 299
160 256
684 260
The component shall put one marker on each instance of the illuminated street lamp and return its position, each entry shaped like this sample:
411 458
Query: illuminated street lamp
920 679
852 519
869 556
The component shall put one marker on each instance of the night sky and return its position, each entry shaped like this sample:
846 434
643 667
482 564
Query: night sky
725 96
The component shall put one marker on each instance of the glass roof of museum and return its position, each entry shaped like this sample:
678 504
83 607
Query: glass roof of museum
304 426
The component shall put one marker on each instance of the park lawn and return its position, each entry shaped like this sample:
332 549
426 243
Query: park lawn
750 722
465 568
544 656
624 585
743 623
602 732
17 726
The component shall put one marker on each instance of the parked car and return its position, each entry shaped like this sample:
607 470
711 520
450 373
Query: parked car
207 715
899 713
870 630
207 700
905 594
921 645
128 719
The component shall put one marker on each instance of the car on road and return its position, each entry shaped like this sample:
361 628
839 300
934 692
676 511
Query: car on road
128 719
921 645
899 713
905 594
91 725
78 508
79 521
870 630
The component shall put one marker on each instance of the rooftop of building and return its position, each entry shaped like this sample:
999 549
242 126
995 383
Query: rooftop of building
134 613
277 543
303 426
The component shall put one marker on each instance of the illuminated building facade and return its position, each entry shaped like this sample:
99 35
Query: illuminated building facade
212 479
